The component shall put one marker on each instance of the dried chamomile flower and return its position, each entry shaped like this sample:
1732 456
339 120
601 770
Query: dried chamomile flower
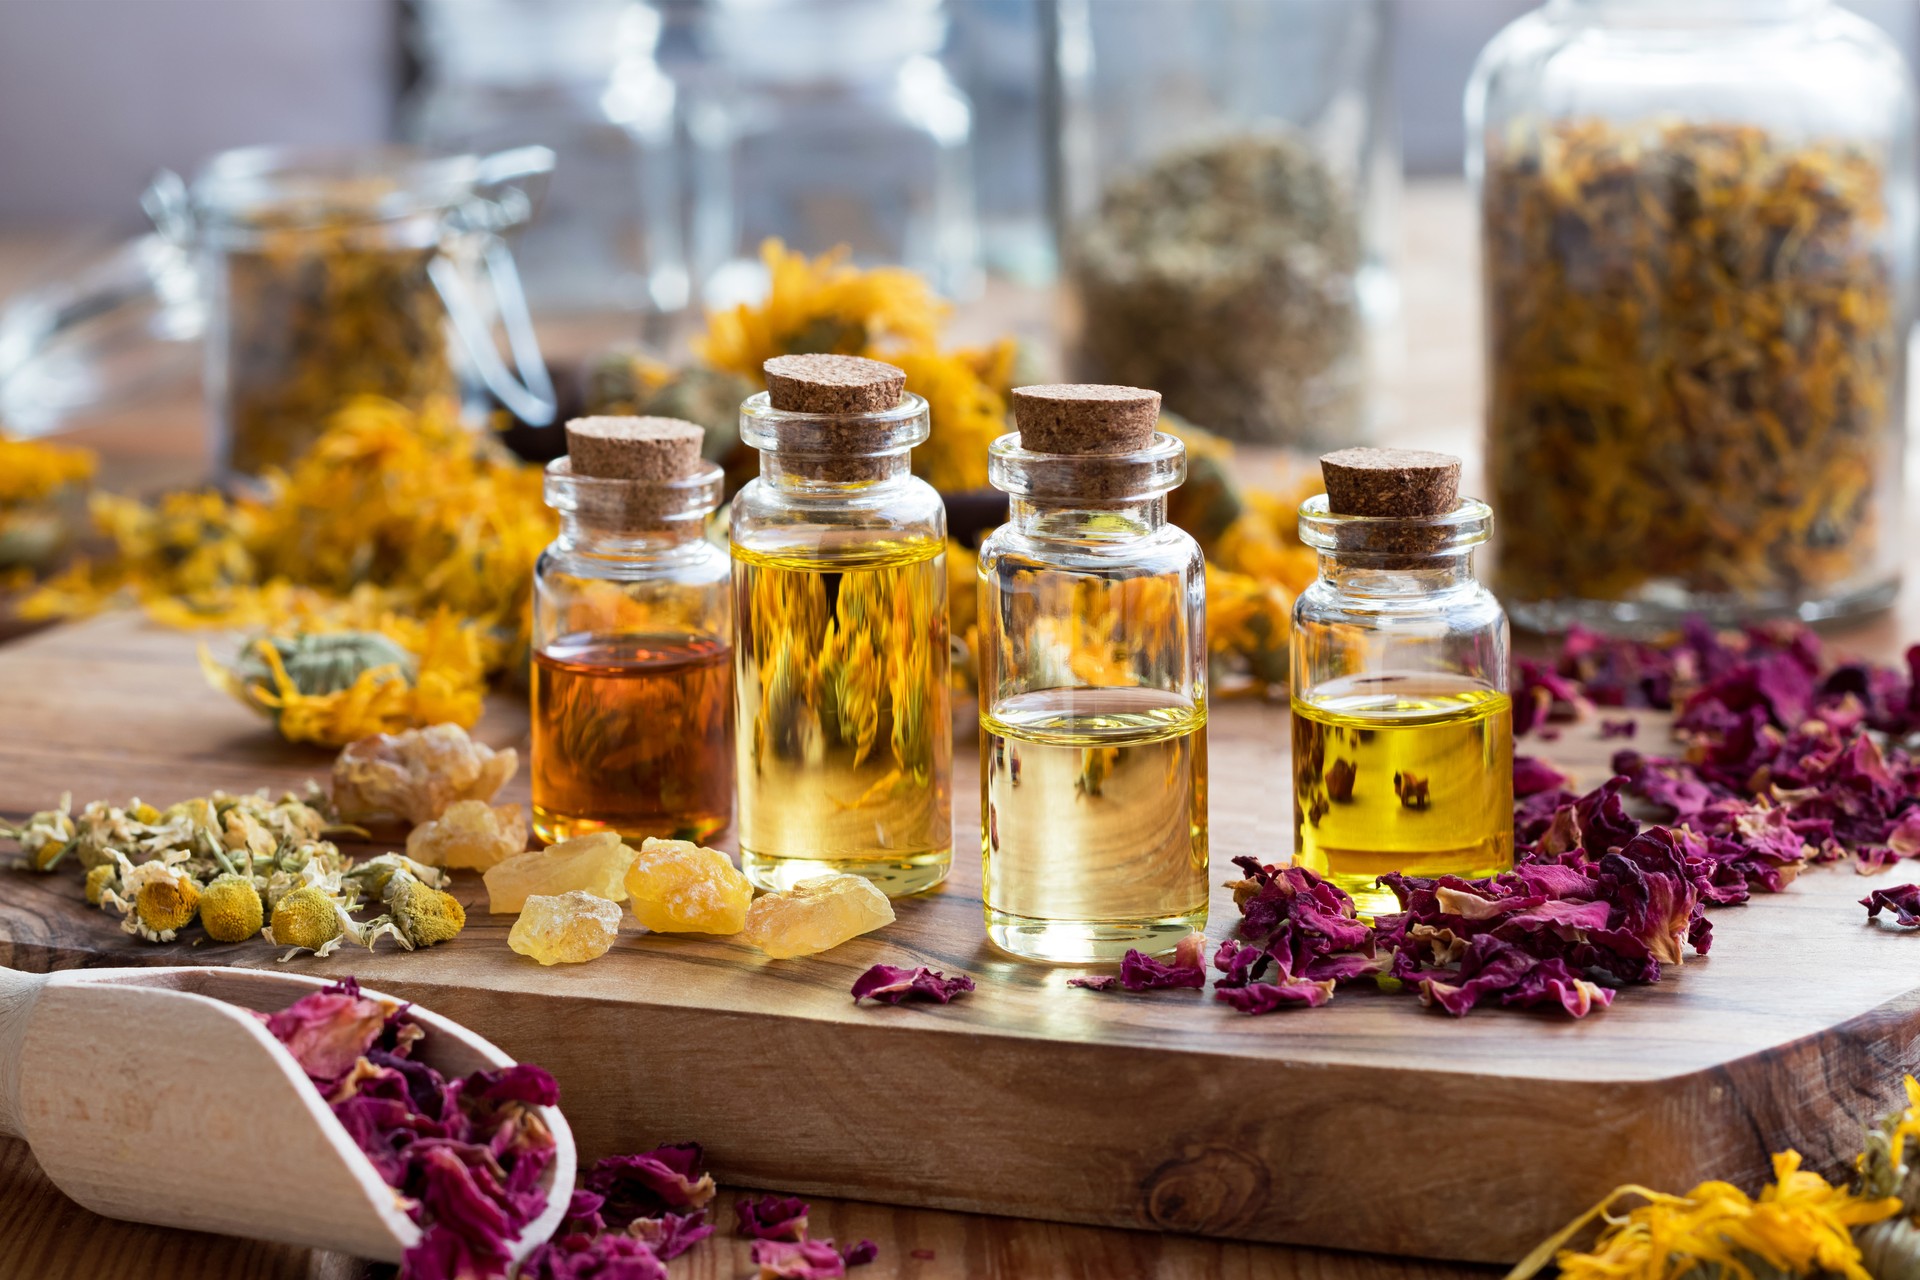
414 776
313 918
375 874
230 908
46 836
158 900
422 915
471 834
102 878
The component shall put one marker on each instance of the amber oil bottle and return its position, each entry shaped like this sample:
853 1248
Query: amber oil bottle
632 633
1402 726
840 633
1093 691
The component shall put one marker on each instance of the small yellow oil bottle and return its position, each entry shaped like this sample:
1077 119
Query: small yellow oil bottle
845 742
1402 726
1093 696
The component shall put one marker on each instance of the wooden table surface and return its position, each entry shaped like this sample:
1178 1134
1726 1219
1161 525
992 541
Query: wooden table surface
1430 397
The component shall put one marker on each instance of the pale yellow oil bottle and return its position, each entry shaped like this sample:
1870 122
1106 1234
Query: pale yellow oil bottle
1402 773
1094 839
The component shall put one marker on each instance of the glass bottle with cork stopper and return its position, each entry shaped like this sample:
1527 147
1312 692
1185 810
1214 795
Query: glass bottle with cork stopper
632 633
840 638
1402 726
1093 685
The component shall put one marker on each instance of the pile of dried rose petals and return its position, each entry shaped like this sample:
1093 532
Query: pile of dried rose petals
1786 758
777 1225
468 1157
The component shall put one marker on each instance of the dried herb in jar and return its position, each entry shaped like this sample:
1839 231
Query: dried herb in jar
1223 276
321 312
1693 365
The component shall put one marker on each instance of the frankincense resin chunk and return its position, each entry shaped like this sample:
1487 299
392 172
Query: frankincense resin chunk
471 834
566 928
596 863
816 915
675 886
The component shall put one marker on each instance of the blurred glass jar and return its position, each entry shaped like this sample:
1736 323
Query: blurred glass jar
578 77
828 123
333 274
1226 175
1697 223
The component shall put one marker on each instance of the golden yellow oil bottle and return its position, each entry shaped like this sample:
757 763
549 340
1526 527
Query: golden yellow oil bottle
845 743
1093 712
1402 726
844 737
1402 773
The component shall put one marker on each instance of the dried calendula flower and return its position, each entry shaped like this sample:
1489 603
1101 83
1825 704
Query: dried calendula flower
1693 338
414 776
230 908
45 837
471 834
422 915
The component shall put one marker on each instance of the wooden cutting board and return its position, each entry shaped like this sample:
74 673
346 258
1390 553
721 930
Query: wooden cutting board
1369 1124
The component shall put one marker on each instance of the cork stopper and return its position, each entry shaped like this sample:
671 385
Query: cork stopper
1085 418
653 449
648 454
1403 483
833 384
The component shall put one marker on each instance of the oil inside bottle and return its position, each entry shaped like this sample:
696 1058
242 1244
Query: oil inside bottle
1095 838
632 734
845 747
1409 773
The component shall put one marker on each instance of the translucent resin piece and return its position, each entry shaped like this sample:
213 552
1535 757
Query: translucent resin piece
675 886
567 928
816 915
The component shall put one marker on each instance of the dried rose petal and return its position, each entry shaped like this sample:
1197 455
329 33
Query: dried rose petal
1188 967
1901 899
892 985
329 1030
1099 982
772 1217
1532 775
1265 997
653 1182
672 1234
1618 729
798 1260
862 1253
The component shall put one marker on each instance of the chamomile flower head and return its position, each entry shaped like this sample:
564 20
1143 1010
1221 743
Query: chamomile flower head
230 909
422 915
100 879
308 918
46 836
159 899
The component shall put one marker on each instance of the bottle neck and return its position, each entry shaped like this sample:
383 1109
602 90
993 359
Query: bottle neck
818 475
614 543
1082 521
1398 578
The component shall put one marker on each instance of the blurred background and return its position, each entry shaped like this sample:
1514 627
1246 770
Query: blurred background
964 139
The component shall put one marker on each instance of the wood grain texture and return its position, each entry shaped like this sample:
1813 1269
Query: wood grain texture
46 1236
1165 1112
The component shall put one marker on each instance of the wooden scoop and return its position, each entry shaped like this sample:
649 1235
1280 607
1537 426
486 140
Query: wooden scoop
146 1094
